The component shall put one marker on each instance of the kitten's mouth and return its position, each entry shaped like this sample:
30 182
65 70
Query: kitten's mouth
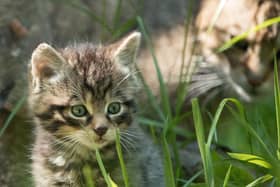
101 140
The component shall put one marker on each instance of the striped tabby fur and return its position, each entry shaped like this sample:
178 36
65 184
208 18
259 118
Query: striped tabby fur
79 96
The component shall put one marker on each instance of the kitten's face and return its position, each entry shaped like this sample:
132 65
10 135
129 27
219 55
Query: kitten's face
82 94
249 63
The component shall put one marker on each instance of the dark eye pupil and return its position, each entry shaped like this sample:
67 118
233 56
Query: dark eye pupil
79 111
243 45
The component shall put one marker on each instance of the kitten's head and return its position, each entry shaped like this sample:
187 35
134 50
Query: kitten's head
249 63
83 93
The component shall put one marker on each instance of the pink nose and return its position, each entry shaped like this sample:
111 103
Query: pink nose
101 130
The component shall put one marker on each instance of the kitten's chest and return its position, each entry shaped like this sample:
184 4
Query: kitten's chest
79 172
112 167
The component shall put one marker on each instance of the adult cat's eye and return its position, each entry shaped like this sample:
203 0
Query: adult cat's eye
242 45
114 108
78 110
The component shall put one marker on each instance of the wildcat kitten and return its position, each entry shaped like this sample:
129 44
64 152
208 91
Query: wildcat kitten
79 96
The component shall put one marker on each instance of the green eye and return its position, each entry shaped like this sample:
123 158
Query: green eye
114 108
79 110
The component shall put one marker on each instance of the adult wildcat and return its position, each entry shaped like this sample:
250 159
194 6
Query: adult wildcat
242 70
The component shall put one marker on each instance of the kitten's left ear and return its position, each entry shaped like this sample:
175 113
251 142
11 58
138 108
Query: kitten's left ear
126 51
45 64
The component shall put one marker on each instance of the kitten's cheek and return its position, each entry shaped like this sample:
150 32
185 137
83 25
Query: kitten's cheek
110 136
65 130
122 126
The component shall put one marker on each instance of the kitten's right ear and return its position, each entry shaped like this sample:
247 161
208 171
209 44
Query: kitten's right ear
127 49
45 63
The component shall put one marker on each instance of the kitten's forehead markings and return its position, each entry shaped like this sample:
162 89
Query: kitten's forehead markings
73 59
107 97
88 102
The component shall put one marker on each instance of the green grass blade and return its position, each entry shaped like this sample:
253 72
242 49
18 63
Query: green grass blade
12 114
168 168
241 118
204 151
209 166
102 168
87 173
215 121
218 115
185 69
163 90
225 184
253 159
242 36
120 155
151 98
153 123
89 13
124 28
208 160
150 122
277 104
195 176
260 180
113 184
117 14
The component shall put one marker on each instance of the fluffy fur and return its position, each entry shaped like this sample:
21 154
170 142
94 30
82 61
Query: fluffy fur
92 77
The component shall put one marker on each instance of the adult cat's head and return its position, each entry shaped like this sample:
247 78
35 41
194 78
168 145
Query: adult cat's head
249 63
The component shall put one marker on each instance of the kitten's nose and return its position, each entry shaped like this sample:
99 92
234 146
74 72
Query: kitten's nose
100 130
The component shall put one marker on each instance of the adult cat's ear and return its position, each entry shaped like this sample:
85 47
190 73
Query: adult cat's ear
45 63
127 49
269 9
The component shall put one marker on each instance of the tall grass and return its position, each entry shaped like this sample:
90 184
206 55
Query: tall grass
120 156
229 168
13 113
277 103
105 174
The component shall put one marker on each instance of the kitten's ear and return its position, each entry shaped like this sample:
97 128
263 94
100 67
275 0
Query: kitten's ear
45 63
127 49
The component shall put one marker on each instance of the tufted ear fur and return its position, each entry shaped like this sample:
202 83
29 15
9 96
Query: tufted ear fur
269 9
127 49
45 65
